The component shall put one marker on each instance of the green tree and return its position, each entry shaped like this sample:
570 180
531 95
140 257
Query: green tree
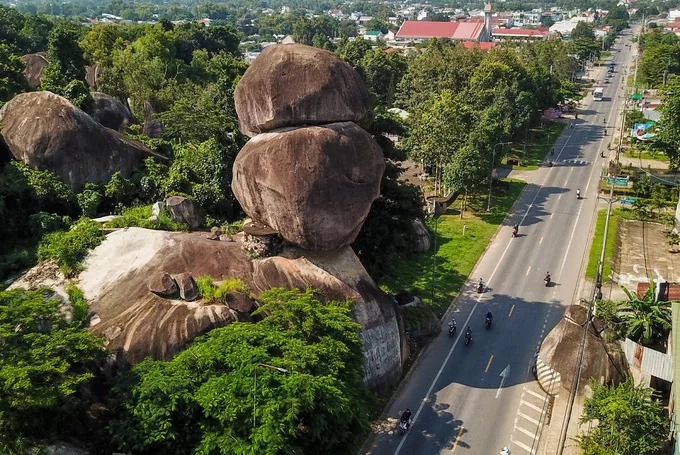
43 363
646 319
583 30
388 232
100 42
468 171
120 190
627 419
668 140
202 400
382 73
64 51
68 248
90 199
12 80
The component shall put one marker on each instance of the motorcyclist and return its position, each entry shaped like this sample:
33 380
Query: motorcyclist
505 451
547 277
489 315
515 230
578 193
480 285
452 325
468 332
406 416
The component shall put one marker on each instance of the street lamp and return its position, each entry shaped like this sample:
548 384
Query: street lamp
493 160
264 365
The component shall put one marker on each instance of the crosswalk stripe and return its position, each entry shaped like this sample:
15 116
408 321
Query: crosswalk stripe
530 419
526 432
537 395
531 405
524 446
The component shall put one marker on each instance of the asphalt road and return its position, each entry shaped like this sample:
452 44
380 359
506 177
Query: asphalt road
475 399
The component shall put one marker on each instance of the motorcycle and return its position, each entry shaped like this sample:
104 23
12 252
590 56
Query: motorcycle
480 287
404 426
578 195
547 280
468 338
487 323
452 330
514 232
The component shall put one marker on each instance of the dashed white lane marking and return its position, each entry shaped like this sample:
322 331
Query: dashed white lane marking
528 270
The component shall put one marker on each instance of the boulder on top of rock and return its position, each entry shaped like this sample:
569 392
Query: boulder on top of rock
110 112
314 185
34 66
188 290
294 85
162 284
240 302
185 210
47 132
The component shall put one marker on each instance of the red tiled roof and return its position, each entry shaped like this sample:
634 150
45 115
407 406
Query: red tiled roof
427 29
468 31
478 45
520 32
431 29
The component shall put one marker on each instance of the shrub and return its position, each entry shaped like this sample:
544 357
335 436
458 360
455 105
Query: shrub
79 304
139 217
41 223
212 293
90 199
68 248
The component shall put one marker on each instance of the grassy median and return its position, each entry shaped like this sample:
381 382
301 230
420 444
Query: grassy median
437 276
596 248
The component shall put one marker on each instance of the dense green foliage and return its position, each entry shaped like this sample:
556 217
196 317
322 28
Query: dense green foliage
660 58
203 400
141 216
628 420
69 248
44 361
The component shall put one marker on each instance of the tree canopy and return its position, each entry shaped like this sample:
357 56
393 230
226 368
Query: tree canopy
206 399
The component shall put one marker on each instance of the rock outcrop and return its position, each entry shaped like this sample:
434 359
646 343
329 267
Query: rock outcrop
309 175
294 84
559 351
162 284
185 210
110 112
34 66
47 132
296 181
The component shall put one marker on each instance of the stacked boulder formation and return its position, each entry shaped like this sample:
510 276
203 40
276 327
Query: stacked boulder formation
310 174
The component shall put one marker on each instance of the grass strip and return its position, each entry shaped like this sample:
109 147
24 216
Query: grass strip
437 276
596 247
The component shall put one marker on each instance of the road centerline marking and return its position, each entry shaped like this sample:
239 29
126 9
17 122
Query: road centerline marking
528 270
511 310
457 440
488 364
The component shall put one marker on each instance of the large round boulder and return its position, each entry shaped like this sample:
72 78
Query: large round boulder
295 85
110 112
47 132
313 185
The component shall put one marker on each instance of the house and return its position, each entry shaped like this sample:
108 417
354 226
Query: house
523 18
461 31
373 35
520 34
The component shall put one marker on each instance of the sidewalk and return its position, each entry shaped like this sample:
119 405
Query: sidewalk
550 437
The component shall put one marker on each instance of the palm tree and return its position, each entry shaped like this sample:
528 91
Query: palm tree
646 319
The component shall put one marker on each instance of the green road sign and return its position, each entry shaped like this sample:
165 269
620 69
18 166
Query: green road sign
618 181
636 96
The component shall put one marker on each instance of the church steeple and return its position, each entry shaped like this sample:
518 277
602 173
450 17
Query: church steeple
487 19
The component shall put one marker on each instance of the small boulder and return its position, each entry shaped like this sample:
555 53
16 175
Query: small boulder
152 126
110 112
294 85
188 290
313 185
185 210
422 240
162 285
34 65
157 208
239 302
